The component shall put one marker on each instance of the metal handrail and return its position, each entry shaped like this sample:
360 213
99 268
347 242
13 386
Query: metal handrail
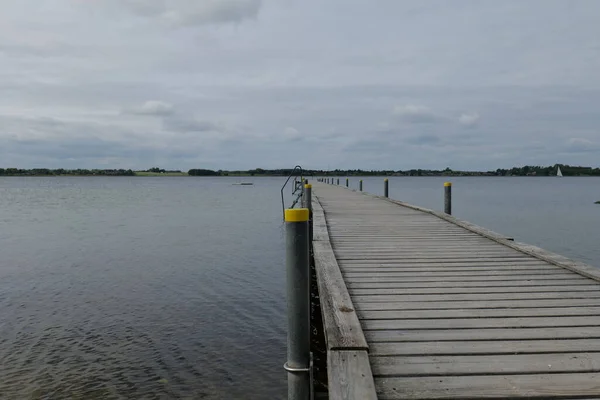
295 174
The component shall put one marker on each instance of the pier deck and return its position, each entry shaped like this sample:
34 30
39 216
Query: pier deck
419 305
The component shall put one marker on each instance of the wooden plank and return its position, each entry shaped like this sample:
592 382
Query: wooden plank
398 284
464 263
320 230
479 313
431 335
430 260
340 322
541 386
411 255
480 323
553 258
474 304
529 289
483 347
500 364
349 375
450 267
430 297
461 276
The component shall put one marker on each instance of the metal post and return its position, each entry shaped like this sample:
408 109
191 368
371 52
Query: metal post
298 302
308 204
338 181
346 182
360 185
448 198
386 187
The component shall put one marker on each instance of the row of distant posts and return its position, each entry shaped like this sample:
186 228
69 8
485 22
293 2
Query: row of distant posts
386 190
299 234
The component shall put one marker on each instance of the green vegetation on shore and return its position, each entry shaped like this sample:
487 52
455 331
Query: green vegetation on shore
62 172
146 173
528 170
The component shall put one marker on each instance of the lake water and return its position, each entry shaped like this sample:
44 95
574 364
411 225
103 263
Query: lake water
173 288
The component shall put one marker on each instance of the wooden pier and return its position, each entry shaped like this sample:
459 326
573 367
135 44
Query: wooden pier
417 304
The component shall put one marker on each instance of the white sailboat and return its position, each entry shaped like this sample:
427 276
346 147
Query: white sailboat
559 172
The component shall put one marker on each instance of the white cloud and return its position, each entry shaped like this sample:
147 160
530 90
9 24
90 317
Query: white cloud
291 133
415 113
152 107
469 119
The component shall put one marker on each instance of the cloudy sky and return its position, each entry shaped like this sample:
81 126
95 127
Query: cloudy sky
226 84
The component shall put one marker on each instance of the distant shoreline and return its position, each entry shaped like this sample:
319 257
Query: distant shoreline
179 175
528 170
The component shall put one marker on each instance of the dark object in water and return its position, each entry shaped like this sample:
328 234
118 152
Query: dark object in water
244 183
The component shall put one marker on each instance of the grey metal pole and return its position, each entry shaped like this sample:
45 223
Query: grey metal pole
360 185
448 198
386 187
346 182
298 303
308 204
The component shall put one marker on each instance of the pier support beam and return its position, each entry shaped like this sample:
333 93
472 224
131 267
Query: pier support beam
360 185
298 363
386 187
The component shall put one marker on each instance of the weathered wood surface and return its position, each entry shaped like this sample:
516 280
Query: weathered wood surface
349 375
340 322
454 311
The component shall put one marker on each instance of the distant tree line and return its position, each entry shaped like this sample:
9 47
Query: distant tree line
534 170
528 170
203 172
162 171
61 171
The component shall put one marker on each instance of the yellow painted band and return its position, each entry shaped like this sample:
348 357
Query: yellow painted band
447 183
308 186
296 215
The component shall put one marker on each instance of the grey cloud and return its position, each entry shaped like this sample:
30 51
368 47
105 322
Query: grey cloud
415 114
469 119
188 124
237 94
181 13
152 107
291 133
423 140
581 145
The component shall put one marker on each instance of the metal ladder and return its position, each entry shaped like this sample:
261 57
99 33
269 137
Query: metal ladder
298 187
